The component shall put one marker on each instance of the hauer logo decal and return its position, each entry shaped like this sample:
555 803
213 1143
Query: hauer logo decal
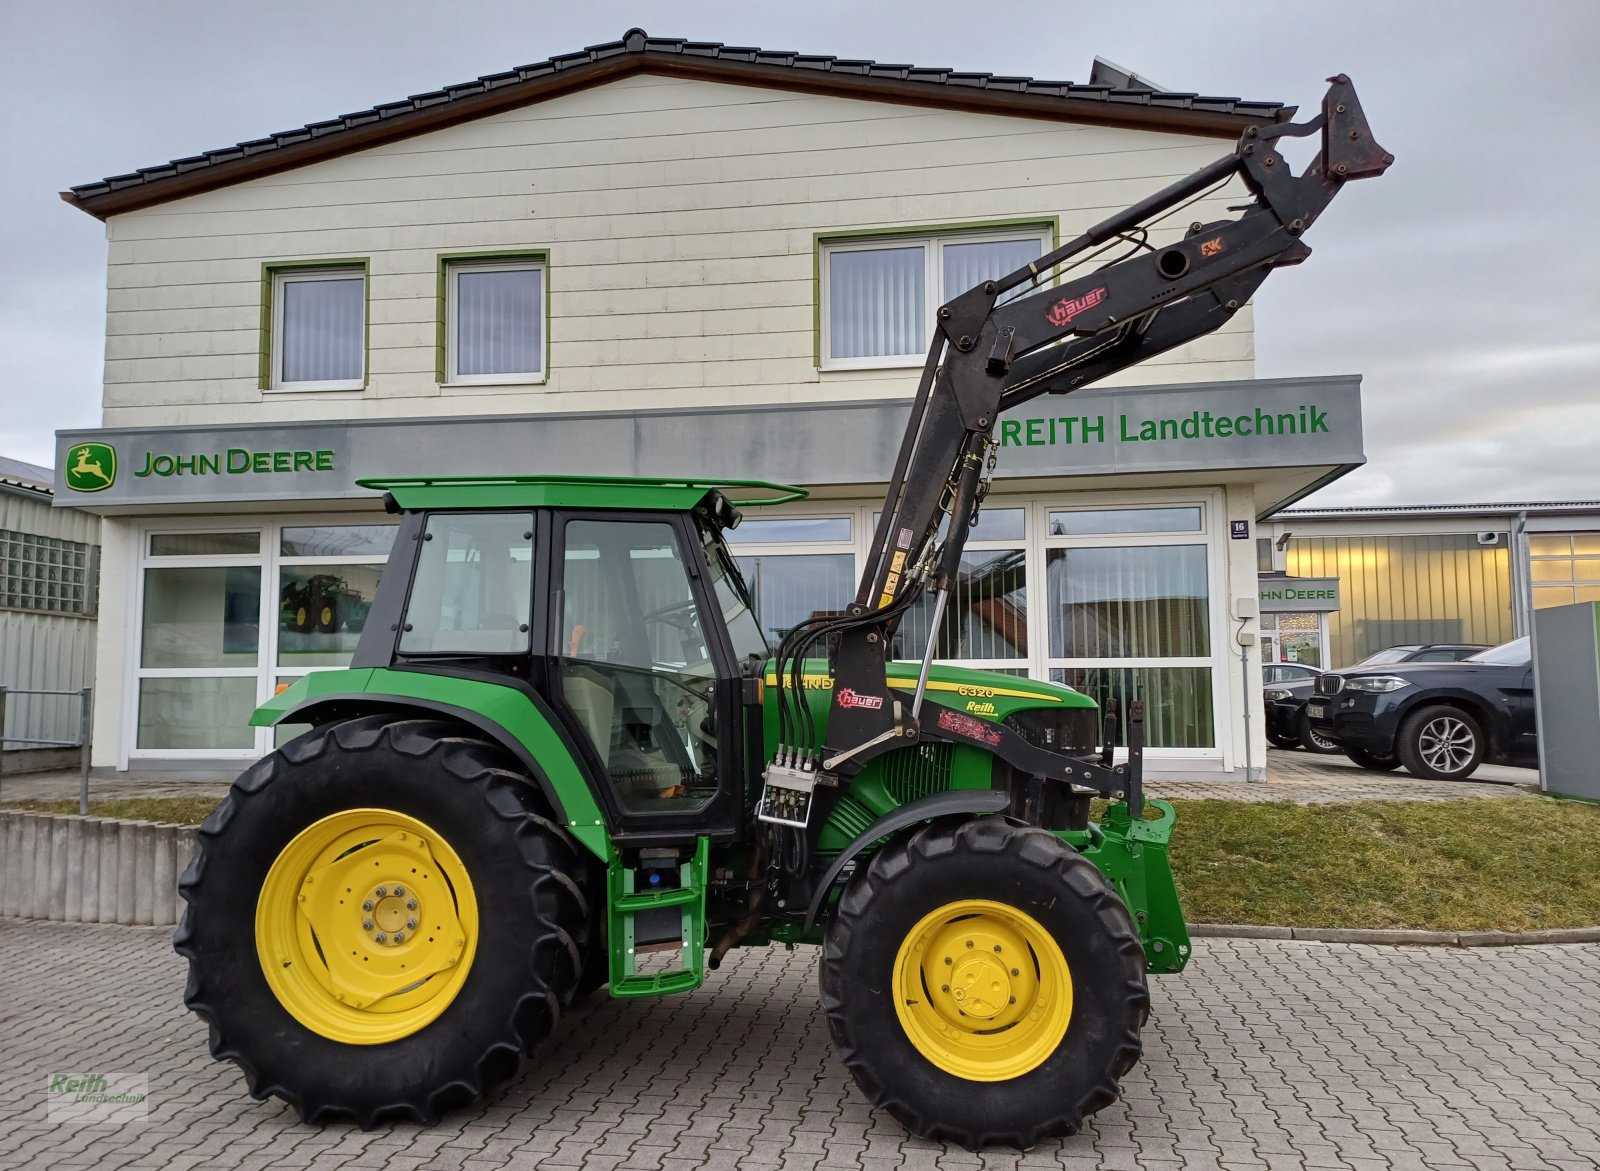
91 467
1067 308
849 698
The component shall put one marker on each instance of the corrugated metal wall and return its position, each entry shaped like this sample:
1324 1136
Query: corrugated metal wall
1401 589
45 651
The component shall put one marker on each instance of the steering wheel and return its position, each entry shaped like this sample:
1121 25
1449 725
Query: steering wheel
685 609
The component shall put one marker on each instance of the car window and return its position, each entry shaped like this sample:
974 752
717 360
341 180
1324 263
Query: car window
1435 657
1395 654
1515 653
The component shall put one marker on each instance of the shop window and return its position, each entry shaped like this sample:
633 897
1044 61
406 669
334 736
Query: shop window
473 590
1177 700
201 617
986 618
337 541
196 713
494 320
322 610
880 294
1128 602
796 568
204 544
1572 559
1093 521
318 328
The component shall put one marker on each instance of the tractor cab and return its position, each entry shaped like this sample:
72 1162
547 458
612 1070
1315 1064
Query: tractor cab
615 604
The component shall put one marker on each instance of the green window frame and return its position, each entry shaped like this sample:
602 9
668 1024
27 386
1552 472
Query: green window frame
271 272
442 315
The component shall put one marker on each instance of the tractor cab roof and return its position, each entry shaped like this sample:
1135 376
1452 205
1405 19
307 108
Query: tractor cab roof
667 493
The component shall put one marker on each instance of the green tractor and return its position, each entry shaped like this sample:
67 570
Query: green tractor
564 756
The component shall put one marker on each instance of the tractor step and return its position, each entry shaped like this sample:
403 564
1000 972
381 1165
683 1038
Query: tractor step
625 904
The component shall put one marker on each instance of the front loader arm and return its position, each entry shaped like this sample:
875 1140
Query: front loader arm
990 355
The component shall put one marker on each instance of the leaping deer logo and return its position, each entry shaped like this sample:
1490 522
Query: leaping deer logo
91 467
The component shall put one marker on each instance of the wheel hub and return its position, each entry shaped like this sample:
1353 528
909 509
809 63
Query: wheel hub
982 990
375 939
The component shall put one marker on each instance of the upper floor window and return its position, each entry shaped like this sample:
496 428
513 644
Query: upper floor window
879 294
494 320
319 328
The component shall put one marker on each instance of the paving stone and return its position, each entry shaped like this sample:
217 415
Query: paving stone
1268 1053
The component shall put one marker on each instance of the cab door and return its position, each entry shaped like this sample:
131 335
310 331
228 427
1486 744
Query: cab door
643 674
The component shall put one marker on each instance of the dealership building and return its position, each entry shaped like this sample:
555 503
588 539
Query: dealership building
665 258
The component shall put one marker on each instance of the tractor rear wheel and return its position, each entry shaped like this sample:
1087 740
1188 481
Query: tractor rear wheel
381 921
984 983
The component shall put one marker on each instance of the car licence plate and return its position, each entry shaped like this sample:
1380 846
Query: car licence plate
1317 711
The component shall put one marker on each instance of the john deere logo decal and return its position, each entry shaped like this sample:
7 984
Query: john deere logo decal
91 467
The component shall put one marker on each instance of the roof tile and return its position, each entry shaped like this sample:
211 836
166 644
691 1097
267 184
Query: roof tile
636 41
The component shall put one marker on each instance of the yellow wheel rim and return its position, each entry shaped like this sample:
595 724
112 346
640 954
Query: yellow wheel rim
366 926
302 616
982 990
327 616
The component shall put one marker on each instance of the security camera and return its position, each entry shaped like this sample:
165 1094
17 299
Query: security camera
1488 538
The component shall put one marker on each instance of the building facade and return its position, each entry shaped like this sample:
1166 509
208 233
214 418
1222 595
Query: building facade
1463 573
663 258
49 597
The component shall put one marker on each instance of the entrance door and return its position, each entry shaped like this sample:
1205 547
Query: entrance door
644 673
1299 639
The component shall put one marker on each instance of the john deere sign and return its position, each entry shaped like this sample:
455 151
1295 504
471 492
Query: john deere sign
1308 427
1282 594
90 467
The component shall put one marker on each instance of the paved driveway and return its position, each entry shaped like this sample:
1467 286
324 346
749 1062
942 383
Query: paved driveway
1265 1054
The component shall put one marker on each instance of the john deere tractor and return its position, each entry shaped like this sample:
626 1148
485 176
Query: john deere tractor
565 756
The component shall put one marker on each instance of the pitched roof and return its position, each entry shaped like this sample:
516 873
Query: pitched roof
637 52
20 474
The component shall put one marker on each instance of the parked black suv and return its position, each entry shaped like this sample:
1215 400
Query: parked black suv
1439 720
1285 703
1423 652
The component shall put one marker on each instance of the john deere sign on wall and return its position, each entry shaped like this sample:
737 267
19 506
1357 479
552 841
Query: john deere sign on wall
1299 594
1200 427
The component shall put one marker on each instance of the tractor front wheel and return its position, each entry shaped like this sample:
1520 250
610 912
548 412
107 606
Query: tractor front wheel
381 921
984 984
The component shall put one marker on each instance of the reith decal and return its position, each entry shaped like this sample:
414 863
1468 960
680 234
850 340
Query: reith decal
91 467
849 698
968 728
1064 310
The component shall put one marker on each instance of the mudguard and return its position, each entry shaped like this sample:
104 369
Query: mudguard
515 718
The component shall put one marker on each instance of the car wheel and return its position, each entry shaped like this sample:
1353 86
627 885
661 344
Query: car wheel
1377 764
1311 741
1440 744
1282 741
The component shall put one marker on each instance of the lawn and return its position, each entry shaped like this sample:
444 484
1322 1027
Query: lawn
1509 864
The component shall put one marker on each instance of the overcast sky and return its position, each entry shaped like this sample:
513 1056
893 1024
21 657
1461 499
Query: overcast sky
1464 285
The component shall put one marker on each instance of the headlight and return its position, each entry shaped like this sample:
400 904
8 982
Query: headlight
1375 683
1274 694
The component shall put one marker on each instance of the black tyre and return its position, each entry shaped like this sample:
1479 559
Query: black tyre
1440 743
1279 740
947 906
1367 760
469 926
1311 742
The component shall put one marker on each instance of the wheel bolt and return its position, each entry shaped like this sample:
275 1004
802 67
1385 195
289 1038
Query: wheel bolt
381 891
411 924
969 943
399 892
1016 972
367 906
944 988
366 924
399 936
411 904
381 937
997 947
1013 1000
948 960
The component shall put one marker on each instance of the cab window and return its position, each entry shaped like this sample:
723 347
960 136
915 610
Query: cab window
472 591
636 667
